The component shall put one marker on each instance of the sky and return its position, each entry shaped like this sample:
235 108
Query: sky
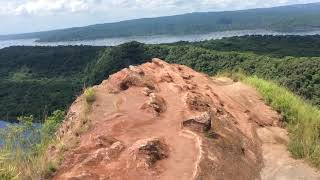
18 16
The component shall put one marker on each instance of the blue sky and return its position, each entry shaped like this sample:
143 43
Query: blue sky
19 16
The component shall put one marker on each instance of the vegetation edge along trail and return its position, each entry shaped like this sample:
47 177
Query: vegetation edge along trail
301 118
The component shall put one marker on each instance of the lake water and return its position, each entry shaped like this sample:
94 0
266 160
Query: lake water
3 124
150 39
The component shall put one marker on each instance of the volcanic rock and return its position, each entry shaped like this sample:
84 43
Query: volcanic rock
164 121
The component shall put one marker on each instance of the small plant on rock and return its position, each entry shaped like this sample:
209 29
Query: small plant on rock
90 95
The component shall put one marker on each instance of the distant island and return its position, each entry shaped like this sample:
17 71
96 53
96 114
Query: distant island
293 18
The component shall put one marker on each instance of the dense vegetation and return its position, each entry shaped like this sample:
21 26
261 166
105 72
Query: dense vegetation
275 46
38 80
287 18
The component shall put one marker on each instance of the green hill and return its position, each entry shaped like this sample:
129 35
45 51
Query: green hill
286 19
38 80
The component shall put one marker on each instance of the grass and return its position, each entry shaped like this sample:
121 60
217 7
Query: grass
23 152
302 119
236 76
90 95
7 172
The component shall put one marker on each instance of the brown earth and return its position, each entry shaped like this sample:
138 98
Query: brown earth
162 121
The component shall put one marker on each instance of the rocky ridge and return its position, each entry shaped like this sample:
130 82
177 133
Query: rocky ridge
167 121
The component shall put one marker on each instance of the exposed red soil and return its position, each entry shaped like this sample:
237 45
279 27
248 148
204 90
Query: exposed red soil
162 121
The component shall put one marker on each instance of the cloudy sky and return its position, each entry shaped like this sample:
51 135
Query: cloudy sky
18 16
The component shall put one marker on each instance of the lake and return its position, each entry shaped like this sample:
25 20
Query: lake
3 124
150 39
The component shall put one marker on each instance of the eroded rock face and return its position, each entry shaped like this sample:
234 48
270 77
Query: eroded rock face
104 155
198 102
167 122
148 151
155 104
201 123
128 78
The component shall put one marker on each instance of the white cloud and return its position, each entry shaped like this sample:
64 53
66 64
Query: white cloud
245 4
34 15
50 6
44 7
40 7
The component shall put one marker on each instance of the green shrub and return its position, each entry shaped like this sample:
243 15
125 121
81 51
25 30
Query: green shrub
90 95
235 75
52 123
303 119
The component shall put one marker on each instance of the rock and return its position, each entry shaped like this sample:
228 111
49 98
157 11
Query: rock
179 105
104 154
189 87
115 149
155 104
126 78
146 91
187 76
131 80
84 176
95 158
104 141
147 152
197 102
159 62
136 69
166 77
175 88
201 123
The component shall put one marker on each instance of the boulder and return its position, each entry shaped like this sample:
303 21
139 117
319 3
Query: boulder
147 152
201 123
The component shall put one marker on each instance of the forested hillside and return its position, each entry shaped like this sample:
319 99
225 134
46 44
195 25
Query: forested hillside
275 46
283 19
38 80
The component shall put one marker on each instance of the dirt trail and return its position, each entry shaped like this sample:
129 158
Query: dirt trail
277 160
279 165
168 122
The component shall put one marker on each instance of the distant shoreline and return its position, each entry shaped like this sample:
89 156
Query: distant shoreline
155 39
